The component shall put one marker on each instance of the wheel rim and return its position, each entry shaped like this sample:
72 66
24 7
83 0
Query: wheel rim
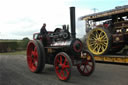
62 67
87 65
97 41
32 56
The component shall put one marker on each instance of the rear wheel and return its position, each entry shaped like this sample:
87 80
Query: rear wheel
99 41
35 56
63 66
87 66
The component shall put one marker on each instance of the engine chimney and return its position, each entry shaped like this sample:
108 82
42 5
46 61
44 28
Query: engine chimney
72 22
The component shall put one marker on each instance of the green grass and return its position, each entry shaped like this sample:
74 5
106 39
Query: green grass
10 40
14 53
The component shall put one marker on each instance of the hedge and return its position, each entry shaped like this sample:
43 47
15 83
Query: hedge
7 46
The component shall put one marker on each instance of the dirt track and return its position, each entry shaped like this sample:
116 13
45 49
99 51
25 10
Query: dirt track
14 71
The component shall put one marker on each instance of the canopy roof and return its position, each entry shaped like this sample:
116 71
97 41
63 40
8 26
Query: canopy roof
120 10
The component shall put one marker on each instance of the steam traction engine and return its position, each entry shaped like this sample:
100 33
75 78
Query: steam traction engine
61 49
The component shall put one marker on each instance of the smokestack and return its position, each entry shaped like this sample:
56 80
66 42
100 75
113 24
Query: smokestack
72 22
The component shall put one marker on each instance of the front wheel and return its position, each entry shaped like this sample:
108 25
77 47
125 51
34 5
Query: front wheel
87 66
63 66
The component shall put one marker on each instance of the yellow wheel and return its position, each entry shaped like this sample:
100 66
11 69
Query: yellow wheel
98 41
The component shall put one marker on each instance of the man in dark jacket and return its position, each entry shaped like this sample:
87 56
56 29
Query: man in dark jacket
44 33
43 30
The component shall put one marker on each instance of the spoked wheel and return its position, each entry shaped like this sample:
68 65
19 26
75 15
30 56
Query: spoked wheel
35 56
99 41
87 66
63 66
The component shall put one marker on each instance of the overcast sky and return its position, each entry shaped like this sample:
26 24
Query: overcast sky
22 18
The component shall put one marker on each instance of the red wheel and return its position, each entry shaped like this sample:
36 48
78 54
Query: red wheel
87 66
35 56
63 66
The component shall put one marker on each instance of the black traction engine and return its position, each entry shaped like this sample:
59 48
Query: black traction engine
61 49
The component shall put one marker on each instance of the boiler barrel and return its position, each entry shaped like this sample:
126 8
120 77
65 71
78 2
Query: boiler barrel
74 45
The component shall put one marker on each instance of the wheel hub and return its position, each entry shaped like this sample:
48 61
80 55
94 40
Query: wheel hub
99 41
32 56
61 66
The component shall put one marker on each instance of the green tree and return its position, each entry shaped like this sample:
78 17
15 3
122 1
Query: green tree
25 42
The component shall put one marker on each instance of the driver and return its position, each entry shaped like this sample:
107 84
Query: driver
43 30
44 33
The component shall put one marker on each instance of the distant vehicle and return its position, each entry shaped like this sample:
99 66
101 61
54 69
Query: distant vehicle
107 31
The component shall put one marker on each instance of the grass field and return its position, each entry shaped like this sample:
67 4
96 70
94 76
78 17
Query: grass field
14 53
9 40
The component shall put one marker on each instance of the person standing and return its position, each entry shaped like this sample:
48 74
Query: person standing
43 30
43 33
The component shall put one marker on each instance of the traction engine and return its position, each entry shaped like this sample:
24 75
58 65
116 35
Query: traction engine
61 49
